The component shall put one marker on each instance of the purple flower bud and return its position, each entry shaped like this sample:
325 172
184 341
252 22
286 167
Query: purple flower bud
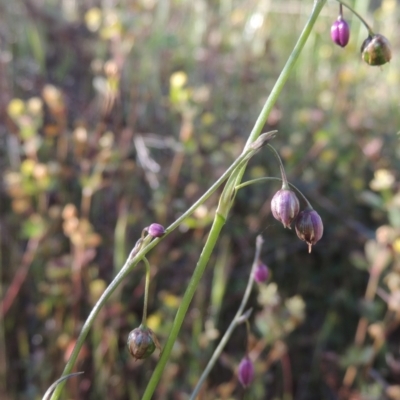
142 342
246 372
376 50
285 206
340 32
261 273
309 227
156 230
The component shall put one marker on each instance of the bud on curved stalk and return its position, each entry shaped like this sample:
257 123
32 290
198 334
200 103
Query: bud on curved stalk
246 372
261 273
340 32
285 206
142 342
376 50
156 230
309 227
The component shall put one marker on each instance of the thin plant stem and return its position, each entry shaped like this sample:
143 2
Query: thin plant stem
247 321
218 223
369 29
362 327
221 215
273 178
57 382
236 320
283 173
285 73
133 259
146 291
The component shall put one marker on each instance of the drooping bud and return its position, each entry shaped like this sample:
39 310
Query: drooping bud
309 227
142 342
285 206
156 230
376 50
246 372
261 273
340 32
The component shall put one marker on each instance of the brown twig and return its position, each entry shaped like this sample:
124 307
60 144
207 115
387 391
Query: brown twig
20 276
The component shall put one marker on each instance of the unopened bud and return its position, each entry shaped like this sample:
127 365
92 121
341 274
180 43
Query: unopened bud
142 342
309 227
246 372
261 273
376 50
340 32
285 206
156 230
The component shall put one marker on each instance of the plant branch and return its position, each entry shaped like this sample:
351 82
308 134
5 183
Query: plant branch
272 178
235 322
146 291
229 193
285 73
140 250
369 29
218 223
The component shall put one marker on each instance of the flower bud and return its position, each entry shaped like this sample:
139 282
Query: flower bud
246 372
156 230
309 227
261 273
142 342
285 206
376 50
340 32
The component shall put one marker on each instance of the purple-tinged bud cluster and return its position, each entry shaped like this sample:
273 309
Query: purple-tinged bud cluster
261 273
340 32
376 50
285 206
309 227
156 230
246 372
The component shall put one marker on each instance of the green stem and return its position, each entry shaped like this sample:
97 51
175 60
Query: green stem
137 254
131 262
236 320
272 178
146 291
285 73
369 29
285 184
218 223
212 238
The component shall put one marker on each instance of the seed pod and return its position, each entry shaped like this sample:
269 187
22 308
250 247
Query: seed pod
142 342
261 273
376 50
246 372
285 206
340 32
309 227
156 230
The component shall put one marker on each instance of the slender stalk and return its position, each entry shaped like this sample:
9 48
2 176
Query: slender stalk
285 73
217 226
57 382
235 322
369 29
146 291
131 262
218 223
285 184
137 254
272 178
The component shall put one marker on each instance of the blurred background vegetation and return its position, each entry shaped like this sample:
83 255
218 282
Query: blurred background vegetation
119 113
